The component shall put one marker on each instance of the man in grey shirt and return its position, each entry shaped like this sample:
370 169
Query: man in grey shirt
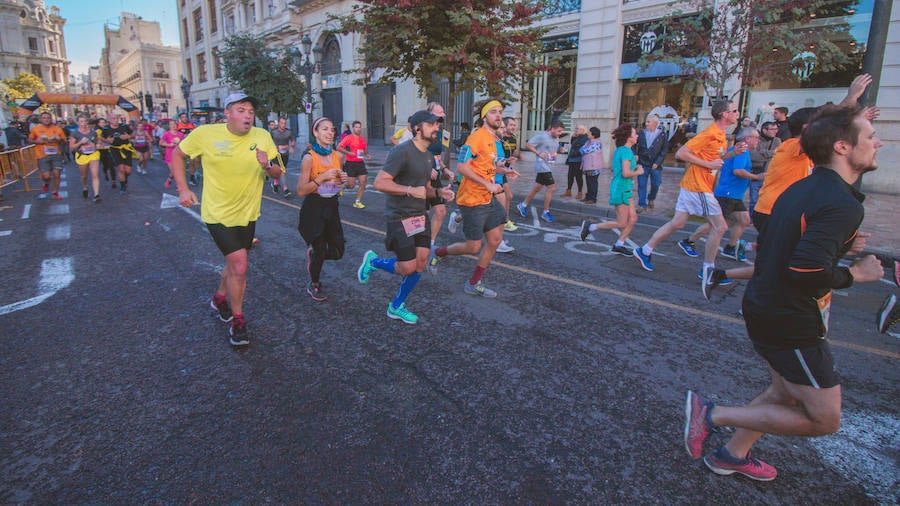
545 146
284 139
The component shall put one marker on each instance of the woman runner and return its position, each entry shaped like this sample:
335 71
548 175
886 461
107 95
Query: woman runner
83 143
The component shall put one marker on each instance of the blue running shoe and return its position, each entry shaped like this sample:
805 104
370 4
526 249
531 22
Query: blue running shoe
365 268
546 216
523 209
643 259
402 314
687 246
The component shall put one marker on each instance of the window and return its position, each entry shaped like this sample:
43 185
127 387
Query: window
201 67
217 63
271 6
54 74
331 60
184 28
36 70
189 72
229 23
198 25
213 16
51 44
32 44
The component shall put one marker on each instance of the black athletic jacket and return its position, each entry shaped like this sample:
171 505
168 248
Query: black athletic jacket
812 225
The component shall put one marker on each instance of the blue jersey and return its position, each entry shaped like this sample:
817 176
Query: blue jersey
732 186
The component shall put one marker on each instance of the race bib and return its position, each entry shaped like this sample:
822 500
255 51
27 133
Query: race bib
824 304
329 189
413 225
140 141
50 150
551 157
360 153
282 149
88 149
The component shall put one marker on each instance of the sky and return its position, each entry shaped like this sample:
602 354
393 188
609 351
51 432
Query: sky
85 19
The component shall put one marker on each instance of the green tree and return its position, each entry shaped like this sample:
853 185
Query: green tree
752 40
263 73
24 86
488 46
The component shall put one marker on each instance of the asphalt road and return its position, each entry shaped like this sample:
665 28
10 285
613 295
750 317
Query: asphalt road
119 386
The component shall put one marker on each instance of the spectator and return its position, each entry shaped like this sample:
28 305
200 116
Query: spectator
651 148
574 162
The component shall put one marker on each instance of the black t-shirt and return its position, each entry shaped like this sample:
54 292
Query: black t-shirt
409 167
114 133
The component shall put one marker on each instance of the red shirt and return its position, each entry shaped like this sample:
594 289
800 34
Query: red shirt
356 145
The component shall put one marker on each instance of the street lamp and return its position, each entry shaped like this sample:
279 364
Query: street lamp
306 70
186 91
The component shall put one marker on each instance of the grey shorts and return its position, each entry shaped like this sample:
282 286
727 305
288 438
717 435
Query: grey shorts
50 162
479 219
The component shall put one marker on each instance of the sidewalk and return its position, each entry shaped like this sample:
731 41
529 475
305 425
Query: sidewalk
882 210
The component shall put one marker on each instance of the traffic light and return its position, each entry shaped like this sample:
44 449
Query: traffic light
148 100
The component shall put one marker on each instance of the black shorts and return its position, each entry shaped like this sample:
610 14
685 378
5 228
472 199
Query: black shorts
285 157
479 219
544 178
730 206
142 149
811 366
231 239
404 246
355 169
120 156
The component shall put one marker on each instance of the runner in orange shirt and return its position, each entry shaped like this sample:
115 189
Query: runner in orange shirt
49 139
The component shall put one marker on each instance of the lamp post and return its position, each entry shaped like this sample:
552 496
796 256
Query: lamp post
306 69
186 91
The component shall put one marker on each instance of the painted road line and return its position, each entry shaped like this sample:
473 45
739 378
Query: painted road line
4 233
26 212
618 293
58 209
56 274
58 232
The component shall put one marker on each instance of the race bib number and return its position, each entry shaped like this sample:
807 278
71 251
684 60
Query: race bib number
50 150
360 153
824 304
413 225
329 189
551 157
88 149
140 141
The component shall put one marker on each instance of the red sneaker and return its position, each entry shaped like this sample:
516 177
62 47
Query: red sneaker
56 196
696 426
45 188
721 462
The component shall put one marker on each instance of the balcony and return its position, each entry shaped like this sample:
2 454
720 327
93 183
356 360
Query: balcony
161 75
560 7
162 95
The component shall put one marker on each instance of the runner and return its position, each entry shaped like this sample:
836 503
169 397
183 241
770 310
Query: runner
233 153
514 156
119 136
405 180
354 147
49 138
284 140
321 180
624 168
141 144
787 302
545 146
483 216
186 127
106 161
436 204
83 142
169 140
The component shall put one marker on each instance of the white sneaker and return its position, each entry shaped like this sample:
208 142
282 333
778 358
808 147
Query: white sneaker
455 220
505 248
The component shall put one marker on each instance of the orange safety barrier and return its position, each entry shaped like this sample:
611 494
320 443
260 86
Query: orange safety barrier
17 165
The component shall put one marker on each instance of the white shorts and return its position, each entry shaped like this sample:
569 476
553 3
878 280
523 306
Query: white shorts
697 203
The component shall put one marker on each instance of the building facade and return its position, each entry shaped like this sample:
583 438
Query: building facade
135 64
31 40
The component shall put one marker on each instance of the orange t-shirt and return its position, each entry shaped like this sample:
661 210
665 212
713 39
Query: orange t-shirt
51 148
708 145
788 165
483 145
331 187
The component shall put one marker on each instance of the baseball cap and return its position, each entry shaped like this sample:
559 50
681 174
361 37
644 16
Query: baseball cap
424 116
240 97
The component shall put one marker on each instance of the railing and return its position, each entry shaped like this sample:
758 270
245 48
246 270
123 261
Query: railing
558 7
161 75
16 165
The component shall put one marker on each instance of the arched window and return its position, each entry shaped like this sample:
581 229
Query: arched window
331 59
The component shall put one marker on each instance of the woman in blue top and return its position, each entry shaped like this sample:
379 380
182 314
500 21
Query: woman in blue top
625 169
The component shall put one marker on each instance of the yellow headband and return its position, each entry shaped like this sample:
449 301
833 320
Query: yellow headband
490 105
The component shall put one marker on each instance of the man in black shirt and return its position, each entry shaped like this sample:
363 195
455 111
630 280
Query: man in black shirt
119 136
787 303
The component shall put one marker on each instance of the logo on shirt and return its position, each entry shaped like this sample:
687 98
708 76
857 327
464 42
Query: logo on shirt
224 145
253 147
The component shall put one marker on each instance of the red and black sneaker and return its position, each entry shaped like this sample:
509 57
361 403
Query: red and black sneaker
45 188
697 426
721 462
238 332
220 304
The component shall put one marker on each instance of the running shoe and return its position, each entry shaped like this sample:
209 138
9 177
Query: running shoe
722 463
479 289
510 226
287 193
97 199
168 182
741 250
84 193
192 180
359 205
238 332
546 216
276 188
730 252
365 268
56 196
523 209
455 220
687 246
45 188
402 314
585 230
888 315
697 425
114 186
622 250
316 292
433 261
643 259
222 309
716 277
503 247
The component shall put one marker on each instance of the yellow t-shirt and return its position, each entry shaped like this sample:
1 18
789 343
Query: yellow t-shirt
788 165
232 177
708 145
483 145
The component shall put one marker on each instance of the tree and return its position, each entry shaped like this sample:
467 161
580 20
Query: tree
23 86
488 46
753 40
248 64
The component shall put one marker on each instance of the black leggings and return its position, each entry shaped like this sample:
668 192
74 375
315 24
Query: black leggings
575 175
320 226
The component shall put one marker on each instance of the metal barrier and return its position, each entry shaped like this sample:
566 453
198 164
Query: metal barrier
17 165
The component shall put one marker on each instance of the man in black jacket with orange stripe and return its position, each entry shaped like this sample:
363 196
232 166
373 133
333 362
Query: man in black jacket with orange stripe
787 302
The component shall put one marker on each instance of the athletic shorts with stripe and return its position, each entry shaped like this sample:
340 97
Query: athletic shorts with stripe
697 203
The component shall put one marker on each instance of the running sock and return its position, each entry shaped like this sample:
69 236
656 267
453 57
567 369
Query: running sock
218 298
441 252
477 274
647 250
238 316
619 244
406 287
711 266
385 264
593 227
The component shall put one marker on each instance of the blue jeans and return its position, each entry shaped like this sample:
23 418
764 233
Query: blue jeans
754 194
655 176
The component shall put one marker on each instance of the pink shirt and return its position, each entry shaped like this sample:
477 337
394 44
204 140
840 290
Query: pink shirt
169 137
356 145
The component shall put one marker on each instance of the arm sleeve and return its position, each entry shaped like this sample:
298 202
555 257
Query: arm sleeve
813 261
662 139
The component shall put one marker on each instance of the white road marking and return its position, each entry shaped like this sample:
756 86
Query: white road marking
169 201
4 233
26 212
59 209
58 232
56 274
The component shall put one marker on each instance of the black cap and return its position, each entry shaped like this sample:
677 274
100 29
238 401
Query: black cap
424 116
